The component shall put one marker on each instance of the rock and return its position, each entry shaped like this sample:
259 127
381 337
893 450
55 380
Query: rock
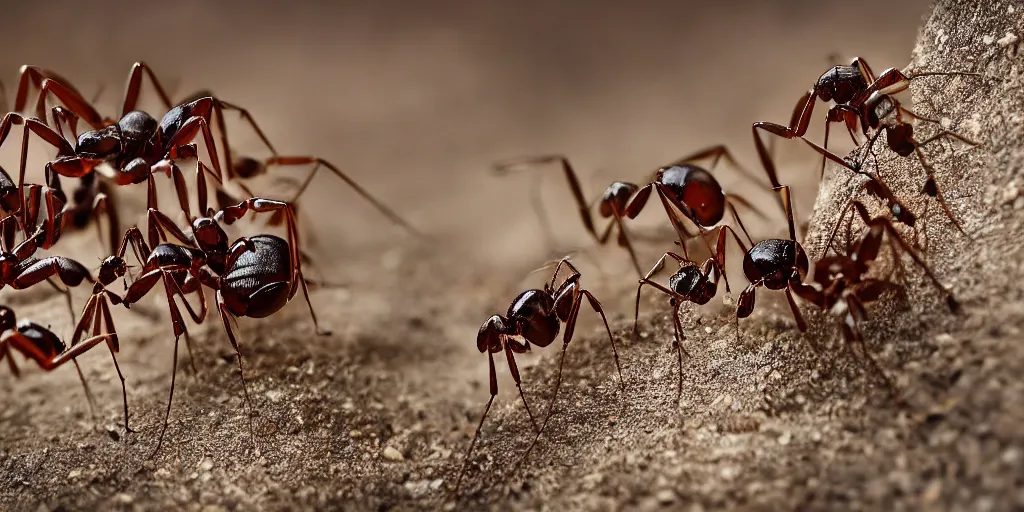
666 497
392 454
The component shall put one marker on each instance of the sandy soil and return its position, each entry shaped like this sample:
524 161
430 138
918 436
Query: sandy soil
378 415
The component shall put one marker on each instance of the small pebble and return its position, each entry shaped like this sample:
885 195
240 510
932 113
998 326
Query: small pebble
666 496
1009 39
785 438
124 499
988 39
206 465
274 395
436 484
390 453
75 473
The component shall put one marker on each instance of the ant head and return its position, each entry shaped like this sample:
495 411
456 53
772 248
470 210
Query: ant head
208 234
615 198
112 268
489 337
7 263
8 320
246 167
103 144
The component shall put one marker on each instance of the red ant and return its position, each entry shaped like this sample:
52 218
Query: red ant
694 192
535 316
859 97
254 277
841 284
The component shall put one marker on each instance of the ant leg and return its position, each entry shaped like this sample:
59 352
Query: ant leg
225 317
932 189
787 204
624 240
219 106
134 88
800 322
514 370
647 280
289 161
678 342
112 346
476 434
596 306
71 98
851 331
716 153
571 178
187 133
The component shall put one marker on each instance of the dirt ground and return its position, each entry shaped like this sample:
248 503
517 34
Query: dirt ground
378 415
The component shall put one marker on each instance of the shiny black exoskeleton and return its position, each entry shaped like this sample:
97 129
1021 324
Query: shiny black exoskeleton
775 263
535 316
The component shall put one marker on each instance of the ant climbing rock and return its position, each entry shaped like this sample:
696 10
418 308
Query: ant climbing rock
842 285
776 264
856 94
535 316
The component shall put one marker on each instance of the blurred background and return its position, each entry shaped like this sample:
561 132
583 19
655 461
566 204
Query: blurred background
417 99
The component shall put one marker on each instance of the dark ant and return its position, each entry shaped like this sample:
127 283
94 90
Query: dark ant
535 316
612 203
694 192
254 277
841 284
857 95
776 264
690 283
42 345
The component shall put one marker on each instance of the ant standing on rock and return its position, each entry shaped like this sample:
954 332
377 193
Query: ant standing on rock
842 285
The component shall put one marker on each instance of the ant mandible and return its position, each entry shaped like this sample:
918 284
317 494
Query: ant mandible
535 316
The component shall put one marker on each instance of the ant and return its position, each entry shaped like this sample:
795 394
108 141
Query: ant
535 316
612 203
776 264
841 284
858 95
694 192
254 277
690 283
42 345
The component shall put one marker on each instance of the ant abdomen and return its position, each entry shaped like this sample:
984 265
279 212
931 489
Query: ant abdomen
697 189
